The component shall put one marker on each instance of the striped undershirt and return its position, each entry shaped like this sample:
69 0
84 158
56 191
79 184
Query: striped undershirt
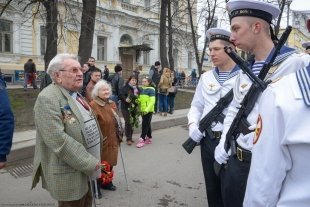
223 76
257 66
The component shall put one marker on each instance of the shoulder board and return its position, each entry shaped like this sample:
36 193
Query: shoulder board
276 80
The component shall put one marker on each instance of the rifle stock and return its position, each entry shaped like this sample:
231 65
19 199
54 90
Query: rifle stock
206 122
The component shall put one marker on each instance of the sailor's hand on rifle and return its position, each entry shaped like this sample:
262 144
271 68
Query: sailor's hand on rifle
246 141
194 133
220 154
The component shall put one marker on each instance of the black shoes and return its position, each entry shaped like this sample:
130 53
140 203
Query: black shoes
109 186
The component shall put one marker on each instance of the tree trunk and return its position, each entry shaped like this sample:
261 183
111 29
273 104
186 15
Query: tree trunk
162 35
51 31
199 64
87 30
282 4
170 40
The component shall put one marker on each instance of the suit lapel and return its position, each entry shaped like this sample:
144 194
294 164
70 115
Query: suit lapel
74 108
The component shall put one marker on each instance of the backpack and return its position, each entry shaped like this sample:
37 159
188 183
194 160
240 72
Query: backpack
110 78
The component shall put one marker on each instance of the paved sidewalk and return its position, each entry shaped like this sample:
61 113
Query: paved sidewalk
23 142
159 175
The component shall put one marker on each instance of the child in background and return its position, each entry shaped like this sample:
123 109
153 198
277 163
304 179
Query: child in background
147 103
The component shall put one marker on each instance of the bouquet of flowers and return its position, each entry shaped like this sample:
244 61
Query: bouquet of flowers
106 173
134 110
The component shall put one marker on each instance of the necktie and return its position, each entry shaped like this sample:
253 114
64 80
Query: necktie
82 102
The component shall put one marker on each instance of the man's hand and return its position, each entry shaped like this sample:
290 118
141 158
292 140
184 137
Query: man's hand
194 133
2 165
246 141
220 154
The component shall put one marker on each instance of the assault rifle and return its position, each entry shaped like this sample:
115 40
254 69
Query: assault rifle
240 124
213 115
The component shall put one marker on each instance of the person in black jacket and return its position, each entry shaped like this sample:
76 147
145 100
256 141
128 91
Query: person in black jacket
155 74
30 74
106 73
129 106
117 83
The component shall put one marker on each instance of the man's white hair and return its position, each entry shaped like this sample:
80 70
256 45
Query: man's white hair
57 63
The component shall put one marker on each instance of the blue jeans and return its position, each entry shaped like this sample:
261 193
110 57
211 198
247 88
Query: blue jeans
171 102
163 102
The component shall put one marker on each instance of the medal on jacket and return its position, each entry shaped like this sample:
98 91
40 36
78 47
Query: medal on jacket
67 114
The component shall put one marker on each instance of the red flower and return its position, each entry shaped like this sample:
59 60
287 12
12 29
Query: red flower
106 172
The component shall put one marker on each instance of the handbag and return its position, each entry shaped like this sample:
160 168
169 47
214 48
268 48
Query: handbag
163 90
172 89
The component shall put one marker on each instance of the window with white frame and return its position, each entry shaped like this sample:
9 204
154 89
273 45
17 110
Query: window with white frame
43 40
6 36
175 57
190 59
101 48
147 4
146 57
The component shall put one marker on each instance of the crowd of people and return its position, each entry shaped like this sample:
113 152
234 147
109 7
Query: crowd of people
88 100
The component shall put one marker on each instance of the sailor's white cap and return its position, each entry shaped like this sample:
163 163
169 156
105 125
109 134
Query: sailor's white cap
254 8
217 33
306 45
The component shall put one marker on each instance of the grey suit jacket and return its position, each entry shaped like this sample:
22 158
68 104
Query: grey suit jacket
61 159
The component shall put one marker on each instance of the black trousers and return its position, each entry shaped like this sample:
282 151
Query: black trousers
213 183
156 100
234 178
128 127
146 126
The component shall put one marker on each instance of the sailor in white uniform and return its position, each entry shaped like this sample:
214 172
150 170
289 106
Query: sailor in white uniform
306 45
250 23
212 86
280 169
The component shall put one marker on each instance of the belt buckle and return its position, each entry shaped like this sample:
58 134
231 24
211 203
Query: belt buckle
217 135
239 154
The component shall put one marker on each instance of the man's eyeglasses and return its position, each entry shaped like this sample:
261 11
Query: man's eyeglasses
73 70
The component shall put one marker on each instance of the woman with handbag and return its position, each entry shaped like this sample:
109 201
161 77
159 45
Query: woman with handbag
164 84
110 126
172 91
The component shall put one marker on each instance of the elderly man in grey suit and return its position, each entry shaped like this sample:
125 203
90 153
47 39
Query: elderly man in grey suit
67 136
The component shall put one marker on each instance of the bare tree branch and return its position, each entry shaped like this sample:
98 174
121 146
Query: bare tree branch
5 6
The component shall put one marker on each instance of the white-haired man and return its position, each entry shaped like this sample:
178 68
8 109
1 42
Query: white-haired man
67 136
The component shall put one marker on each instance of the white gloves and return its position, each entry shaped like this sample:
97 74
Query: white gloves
246 141
194 133
220 154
